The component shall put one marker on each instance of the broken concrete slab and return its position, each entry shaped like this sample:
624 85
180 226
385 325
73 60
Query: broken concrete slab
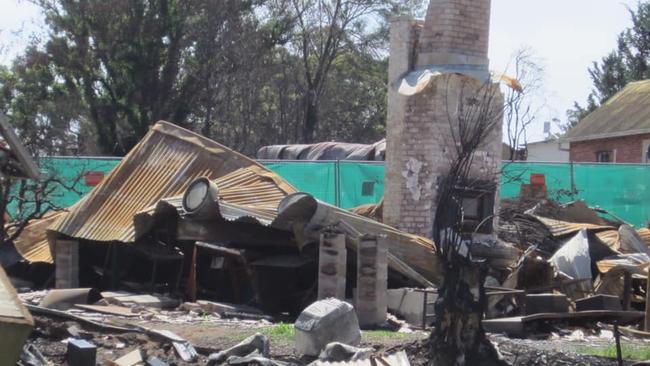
256 343
338 352
222 308
130 359
129 300
254 360
323 322
397 359
64 299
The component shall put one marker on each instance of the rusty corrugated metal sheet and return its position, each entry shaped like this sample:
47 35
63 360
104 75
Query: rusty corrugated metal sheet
561 228
161 165
644 233
609 237
32 243
247 192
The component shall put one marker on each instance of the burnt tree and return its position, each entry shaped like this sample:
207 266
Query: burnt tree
458 337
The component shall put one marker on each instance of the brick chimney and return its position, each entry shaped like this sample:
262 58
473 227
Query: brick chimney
456 32
452 40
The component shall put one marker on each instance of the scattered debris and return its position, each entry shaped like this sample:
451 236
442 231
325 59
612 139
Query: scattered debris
338 352
257 343
16 322
81 353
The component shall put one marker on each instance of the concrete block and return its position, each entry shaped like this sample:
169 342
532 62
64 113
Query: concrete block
372 279
546 303
599 302
323 322
81 353
332 260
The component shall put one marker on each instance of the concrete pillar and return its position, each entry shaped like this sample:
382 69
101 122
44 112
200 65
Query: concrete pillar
66 261
332 260
372 277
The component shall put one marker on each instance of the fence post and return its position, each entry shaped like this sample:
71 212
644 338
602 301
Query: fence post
574 191
337 183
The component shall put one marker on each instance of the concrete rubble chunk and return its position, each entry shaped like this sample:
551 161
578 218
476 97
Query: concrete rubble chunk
256 343
323 322
255 360
337 352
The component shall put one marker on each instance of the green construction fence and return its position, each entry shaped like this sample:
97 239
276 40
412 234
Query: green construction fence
622 189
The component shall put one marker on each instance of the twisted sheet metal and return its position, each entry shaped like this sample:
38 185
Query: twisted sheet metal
32 243
644 233
161 165
562 228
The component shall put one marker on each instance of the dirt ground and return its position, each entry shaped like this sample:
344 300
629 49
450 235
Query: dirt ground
210 336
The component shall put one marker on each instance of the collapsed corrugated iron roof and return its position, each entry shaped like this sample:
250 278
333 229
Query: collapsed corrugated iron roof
161 165
32 243
411 255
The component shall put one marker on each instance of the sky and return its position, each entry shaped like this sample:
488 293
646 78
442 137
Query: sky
566 35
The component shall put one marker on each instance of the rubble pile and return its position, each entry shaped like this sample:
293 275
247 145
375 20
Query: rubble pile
186 233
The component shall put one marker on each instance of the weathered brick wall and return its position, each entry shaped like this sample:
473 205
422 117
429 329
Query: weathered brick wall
456 27
628 148
418 135
428 149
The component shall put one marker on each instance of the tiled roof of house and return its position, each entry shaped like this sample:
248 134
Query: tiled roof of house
625 113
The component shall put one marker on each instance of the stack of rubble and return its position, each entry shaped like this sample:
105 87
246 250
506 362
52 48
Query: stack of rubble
577 265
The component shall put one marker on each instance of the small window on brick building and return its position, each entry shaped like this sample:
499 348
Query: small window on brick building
604 157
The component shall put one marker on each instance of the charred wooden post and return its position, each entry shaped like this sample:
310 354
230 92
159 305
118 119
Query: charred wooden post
332 259
372 277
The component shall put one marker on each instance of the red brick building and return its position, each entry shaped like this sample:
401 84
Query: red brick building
616 132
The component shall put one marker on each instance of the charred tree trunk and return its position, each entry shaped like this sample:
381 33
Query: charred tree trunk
310 118
458 337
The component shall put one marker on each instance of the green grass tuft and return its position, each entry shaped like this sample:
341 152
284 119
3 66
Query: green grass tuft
282 330
637 353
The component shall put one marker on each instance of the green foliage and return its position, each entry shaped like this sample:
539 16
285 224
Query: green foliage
281 330
629 352
246 73
630 61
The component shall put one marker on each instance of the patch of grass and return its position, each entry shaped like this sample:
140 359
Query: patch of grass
636 353
377 335
280 330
